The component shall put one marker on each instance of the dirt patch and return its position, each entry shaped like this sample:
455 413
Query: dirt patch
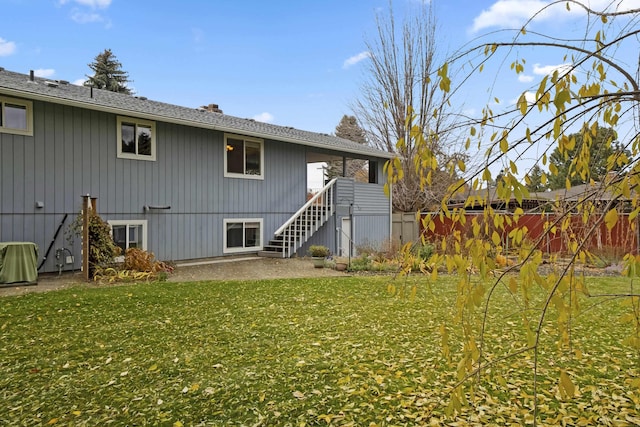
251 268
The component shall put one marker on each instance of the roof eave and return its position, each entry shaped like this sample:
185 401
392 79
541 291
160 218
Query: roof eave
185 122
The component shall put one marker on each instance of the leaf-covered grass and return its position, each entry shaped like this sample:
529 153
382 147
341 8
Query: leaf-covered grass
340 351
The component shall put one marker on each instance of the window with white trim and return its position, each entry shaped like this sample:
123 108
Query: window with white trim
136 139
242 235
244 157
129 234
16 116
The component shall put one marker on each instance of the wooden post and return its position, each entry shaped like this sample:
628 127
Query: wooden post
85 236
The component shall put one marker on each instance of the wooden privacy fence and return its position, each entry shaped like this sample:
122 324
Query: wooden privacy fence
622 238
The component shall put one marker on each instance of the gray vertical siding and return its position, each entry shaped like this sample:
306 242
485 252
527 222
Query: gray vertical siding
372 215
368 208
73 152
370 231
326 236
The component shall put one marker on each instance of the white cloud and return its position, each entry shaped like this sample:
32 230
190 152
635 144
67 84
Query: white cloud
620 5
44 72
85 12
85 18
540 70
95 4
547 70
79 82
355 59
507 14
529 96
515 13
6 47
264 117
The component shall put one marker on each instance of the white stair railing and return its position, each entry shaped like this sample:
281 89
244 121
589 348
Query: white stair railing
309 218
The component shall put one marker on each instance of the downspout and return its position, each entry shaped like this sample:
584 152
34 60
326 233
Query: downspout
390 213
351 229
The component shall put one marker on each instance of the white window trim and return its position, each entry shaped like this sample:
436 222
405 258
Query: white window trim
227 250
150 124
127 222
23 103
245 139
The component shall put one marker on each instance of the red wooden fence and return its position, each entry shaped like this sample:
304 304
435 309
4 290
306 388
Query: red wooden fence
622 238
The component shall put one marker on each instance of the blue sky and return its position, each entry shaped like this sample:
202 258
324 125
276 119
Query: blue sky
293 63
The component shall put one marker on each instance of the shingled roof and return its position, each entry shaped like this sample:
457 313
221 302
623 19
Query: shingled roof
62 92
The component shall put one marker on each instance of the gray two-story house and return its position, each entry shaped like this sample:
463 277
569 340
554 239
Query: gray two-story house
183 183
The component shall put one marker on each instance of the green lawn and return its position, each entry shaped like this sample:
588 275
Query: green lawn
340 351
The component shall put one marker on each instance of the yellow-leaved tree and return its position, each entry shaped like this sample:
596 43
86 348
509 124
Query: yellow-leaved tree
484 239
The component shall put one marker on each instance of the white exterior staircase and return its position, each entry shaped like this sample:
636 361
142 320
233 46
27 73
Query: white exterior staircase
303 224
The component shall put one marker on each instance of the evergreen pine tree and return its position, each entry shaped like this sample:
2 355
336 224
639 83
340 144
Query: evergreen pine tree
348 128
535 179
108 74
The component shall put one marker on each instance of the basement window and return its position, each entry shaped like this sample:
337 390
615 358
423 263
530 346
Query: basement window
136 139
128 234
244 157
242 235
16 116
